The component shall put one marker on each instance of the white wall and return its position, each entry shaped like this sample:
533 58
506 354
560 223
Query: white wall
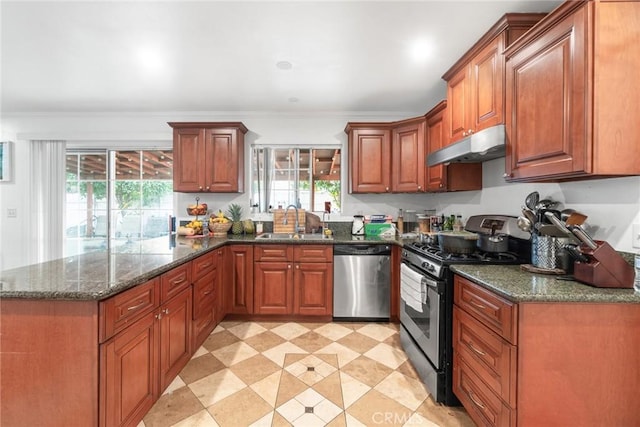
612 205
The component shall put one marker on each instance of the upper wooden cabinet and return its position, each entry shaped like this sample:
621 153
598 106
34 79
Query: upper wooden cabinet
387 157
208 157
369 157
572 106
475 84
453 176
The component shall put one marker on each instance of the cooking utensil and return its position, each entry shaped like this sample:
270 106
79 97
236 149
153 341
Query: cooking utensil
576 218
493 242
529 214
458 242
549 230
532 200
575 253
545 204
559 224
564 214
524 224
583 236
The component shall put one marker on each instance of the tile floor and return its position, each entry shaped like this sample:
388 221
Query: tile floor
300 374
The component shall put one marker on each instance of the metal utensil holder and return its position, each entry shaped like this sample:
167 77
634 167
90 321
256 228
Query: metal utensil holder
606 268
545 251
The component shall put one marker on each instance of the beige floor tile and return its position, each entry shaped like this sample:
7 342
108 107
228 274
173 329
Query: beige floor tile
358 342
374 408
254 369
387 355
394 341
327 410
442 415
215 387
175 384
408 391
310 378
308 420
418 420
267 388
331 389
345 355
333 331
226 324
200 419
172 408
291 358
199 352
279 421
240 409
339 421
141 424
246 330
234 353
290 330
291 410
352 421
313 325
376 331
201 367
367 371
352 389
309 398
277 353
270 325
407 369
219 340
218 328
264 341
288 388
331 359
265 421
311 341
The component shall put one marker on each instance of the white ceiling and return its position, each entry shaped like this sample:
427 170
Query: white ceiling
156 56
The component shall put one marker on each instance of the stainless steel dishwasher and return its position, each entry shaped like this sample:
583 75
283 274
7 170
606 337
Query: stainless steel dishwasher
361 281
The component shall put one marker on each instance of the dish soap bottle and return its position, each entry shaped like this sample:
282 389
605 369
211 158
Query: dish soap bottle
400 224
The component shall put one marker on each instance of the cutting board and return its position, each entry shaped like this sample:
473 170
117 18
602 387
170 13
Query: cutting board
278 216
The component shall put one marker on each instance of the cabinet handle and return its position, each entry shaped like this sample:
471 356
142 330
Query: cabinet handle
208 292
477 403
419 187
507 175
470 131
386 189
289 266
472 347
200 187
165 311
441 185
137 306
205 266
159 316
477 305
297 267
208 186
179 281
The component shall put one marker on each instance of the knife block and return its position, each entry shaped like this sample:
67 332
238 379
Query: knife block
605 269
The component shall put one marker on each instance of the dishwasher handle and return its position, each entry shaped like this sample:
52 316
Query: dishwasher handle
360 249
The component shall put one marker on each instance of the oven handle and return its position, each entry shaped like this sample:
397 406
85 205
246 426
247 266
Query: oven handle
421 277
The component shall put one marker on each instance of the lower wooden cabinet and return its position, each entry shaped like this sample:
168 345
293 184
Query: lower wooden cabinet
293 280
175 336
238 287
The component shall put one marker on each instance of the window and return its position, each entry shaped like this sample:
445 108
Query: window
116 197
306 177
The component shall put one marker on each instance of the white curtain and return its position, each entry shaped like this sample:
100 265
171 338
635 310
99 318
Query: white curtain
47 199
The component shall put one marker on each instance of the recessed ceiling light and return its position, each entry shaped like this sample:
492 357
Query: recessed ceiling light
293 99
284 65
421 50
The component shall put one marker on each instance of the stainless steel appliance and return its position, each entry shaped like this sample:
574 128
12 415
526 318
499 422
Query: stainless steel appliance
361 281
426 298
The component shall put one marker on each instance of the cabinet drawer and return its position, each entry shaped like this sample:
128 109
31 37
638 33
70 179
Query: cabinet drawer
204 291
174 281
313 253
494 312
273 253
484 407
492 358
119 311
203 264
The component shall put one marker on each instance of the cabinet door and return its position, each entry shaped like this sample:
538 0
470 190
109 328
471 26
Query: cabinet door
239 279
175 281
370 160
220 306
273 288
175 336
545 104
408 158
224 154
436 139
128 373
313 293
487 86
458 105
188 155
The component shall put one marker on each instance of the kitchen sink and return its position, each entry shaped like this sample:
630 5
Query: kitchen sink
290 236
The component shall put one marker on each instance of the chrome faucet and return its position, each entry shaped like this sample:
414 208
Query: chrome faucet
284 220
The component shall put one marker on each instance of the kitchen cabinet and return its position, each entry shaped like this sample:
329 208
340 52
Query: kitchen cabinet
238 286
206 275
408 154
524 363
294 279
475 83
571 108
369 157
208 157
452 176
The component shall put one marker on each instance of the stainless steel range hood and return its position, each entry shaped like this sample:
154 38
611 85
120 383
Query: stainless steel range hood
485 145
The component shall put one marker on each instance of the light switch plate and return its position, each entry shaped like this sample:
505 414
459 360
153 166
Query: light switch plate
635 235
12 213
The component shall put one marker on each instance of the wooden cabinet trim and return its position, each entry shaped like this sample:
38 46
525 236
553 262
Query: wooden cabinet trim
313 253
204 264
175 281
262 253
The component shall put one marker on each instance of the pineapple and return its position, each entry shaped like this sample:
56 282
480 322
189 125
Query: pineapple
235 213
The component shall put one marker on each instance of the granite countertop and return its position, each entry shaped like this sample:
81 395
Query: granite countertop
99 275
521 286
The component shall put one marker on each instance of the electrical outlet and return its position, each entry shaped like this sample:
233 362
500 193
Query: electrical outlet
635 235
12 213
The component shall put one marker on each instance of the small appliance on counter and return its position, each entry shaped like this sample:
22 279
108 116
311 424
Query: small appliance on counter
357 228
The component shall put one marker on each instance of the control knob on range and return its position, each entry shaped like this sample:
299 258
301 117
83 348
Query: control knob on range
429 267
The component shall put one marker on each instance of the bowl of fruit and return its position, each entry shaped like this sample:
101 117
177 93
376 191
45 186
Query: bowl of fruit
197 209
219 224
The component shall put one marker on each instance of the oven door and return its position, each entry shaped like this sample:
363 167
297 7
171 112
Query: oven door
420 310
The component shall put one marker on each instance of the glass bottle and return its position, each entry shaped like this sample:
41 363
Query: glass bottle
400 225
457 224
